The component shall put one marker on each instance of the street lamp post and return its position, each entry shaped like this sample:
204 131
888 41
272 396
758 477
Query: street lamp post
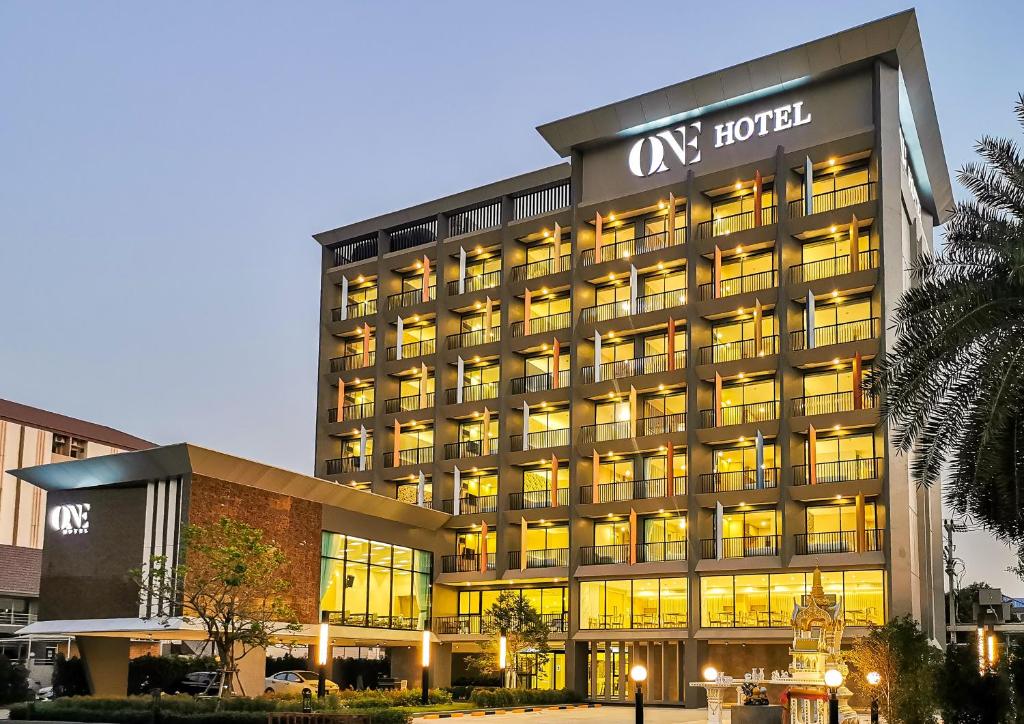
874 678
833 680
425 660
639 675
502 656
323 643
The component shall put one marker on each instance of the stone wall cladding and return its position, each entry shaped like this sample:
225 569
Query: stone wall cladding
19 570
293 524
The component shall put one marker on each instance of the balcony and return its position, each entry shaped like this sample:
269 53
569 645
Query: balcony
372 620
741 349
632 247
354 361
832 200
16 618
542 268
355 250
411 298
632 490
540 382
649 365
476 283
467 562
547 323
544 558
740 414
661 424
838 471
603 555
838 542
470 448
355 310
725 225
742 547
471 504
605 312
533 499
605 431
472 393
412 456
669 550
474 338
740 285
350 464
555 437
832 267
738 480
351 412
409 402
834 402
660 300
472 623
413 349
843 333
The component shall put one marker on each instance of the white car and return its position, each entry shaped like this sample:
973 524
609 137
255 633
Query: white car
296 682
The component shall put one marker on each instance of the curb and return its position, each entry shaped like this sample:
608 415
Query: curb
495 712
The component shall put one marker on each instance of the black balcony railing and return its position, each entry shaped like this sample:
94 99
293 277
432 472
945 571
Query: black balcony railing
372 620
353 361
598 555
541 268
832 200
355 310
409 402
739 480
660 300
530 499
832 267
742 547
479 218
723 225
474 337
470 448
541 439
604 431
838 471
740 414
357 411
844 541
669 550
355 250
538 325
410 350
661 424
740 349
472 623
740 285
834 402
649 365
350 464
632 490
604 312
471 504
473 393
541 201
545 558
411 297
488 280
467 562
412 456
628 248
540 382
836 333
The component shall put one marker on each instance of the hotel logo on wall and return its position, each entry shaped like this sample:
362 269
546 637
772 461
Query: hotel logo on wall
661 151
70 519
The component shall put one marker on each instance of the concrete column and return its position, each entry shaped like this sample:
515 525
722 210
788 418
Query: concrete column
695 658
106 664
252 670
406 664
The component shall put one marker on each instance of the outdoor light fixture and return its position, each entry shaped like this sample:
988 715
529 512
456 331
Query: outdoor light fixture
874 679
502 656
321 655
710 673
833 680
425 661
639 675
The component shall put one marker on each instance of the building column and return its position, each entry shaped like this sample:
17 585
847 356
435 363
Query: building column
695 658
106 664
252 670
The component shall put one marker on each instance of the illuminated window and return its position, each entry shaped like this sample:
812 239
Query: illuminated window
544 364
547 306
737 459
611 533
828 180
742 201
836 245
744 265
837 448
636 603
414 282
853 310
617 411
838 517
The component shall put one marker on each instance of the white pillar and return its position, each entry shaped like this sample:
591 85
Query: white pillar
401 331
460 381
809 331
457 497
597 356
526 426
808 186
421 490
632 289
759 459
462 270
344 298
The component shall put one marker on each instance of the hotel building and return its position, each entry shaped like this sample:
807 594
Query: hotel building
629 385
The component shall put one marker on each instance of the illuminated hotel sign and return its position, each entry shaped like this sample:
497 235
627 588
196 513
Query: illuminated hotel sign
70 519
647 156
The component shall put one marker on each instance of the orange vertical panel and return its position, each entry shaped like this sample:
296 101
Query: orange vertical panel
426 279
526 311
597 238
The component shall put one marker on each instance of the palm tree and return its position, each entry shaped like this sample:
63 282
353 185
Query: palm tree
954 379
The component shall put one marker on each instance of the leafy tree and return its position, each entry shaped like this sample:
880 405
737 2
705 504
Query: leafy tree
954 378
907 662
965 695
233 582
526 637
965 600
69 677
13 681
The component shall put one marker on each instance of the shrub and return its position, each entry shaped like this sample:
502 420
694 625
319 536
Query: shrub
69 676
490 698
460 692
13 681
965 695
164 672
286 663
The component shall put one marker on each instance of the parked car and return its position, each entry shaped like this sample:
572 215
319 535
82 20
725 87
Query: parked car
296 682
200 682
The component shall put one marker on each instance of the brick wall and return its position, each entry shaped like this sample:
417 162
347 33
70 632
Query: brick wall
292 523
19 570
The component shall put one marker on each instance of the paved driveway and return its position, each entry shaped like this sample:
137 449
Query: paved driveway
601 715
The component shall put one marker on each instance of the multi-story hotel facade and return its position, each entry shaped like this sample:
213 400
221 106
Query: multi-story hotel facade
635 380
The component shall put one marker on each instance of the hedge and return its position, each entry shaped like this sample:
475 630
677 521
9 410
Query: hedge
490 698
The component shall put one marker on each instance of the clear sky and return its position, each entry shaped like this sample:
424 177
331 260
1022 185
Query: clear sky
164 165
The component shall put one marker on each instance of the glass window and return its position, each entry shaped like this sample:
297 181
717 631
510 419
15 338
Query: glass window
743 265
751 597
605 412
592 608
742 201
838 517
611 533
615 471
716 600
786 592
735 459
612 294
828 315
670 528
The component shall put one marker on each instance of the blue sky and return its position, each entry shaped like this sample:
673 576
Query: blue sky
166 164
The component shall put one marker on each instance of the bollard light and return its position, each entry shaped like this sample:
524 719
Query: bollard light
639 675
710 673
874 679
502 656
323 643
833 680
425 661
